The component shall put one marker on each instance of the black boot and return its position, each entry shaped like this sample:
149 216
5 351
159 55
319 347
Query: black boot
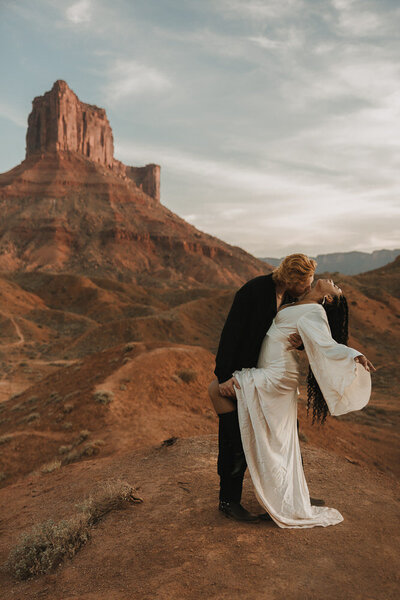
231 458
231 467
234 510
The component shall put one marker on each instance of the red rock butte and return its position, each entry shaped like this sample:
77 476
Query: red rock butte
60 122
70 206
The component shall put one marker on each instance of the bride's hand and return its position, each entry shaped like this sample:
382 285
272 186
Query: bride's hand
363 360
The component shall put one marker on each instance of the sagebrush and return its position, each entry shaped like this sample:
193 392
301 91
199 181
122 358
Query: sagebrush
47 544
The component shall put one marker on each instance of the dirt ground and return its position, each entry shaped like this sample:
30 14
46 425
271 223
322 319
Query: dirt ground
176 544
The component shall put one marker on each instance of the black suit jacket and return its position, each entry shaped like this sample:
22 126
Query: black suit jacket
250 317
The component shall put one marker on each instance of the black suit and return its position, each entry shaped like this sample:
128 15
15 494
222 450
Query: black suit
250 317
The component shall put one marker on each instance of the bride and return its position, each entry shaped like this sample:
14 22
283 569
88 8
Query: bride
339 381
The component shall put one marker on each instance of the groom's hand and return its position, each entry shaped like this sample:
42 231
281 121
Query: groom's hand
227 388
295 341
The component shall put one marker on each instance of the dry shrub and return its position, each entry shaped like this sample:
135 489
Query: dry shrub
129 347
50 542
51 466
30 418
54 397
32 400
5 438
106 496
104 396
88 449
82 436
46 545
187 375
65 449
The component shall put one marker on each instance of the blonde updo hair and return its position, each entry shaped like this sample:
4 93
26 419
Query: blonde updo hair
294 268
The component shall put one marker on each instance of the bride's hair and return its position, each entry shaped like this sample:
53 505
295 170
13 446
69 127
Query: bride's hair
338 317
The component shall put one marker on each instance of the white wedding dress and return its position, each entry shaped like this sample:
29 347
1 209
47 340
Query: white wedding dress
267 410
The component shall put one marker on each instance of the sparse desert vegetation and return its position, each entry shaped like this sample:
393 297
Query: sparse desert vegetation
47 544
187 375
103 397
51 466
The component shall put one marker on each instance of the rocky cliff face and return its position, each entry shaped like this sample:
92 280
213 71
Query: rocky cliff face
70 206
60 122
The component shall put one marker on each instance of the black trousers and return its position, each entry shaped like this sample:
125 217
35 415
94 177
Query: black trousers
231 458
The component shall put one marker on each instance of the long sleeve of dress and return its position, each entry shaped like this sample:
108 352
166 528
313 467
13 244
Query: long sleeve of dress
344 383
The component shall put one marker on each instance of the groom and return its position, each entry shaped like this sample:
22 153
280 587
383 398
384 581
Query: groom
254 306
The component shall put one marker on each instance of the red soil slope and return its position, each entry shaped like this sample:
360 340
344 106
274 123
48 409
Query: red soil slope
176 544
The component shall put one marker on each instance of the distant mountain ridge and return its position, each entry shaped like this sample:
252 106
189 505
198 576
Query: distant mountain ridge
348 263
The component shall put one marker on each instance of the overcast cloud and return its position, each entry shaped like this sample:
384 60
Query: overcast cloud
275 122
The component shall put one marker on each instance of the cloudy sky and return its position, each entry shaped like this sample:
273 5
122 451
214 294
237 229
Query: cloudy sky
275 122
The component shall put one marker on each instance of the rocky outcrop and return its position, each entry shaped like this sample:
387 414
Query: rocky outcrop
60 122
145 178
61 212
70 206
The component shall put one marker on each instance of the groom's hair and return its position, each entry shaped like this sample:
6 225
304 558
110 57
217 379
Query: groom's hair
295 268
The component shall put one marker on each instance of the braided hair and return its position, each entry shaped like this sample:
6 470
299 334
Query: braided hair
338 318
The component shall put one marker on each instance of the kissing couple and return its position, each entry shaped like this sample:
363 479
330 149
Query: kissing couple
255 391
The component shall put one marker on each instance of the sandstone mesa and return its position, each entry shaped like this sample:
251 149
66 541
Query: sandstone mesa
71 206
59 122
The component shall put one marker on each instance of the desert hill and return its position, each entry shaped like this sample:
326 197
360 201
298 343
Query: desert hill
126 396
70 206
161 362
385 280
